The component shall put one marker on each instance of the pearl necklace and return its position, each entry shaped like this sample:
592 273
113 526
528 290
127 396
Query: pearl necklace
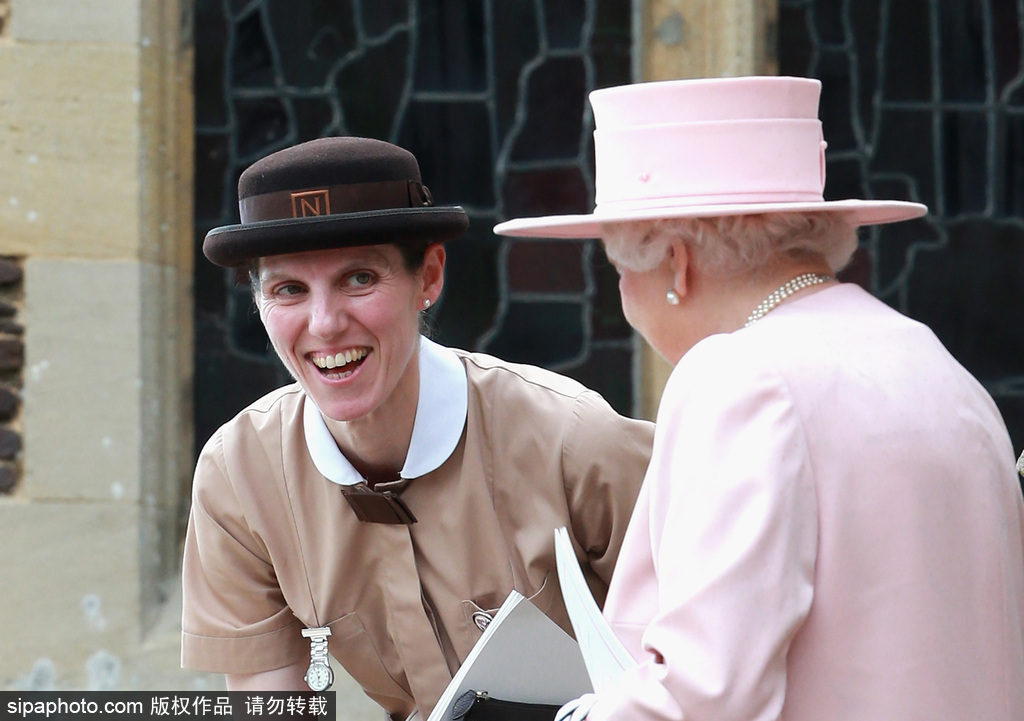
799 283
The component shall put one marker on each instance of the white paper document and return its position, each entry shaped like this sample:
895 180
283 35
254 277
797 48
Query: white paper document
522 656
603 653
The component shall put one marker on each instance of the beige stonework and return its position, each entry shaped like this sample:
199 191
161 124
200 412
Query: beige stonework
5 15
164 430
708 38
73 603
166 351
76 604
69 137
82 375
166 128
695 39
78 21
96 143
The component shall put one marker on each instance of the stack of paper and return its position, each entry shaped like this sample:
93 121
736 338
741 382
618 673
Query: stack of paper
525 656
603 652
522 656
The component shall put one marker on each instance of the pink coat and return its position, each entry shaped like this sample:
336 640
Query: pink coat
830 530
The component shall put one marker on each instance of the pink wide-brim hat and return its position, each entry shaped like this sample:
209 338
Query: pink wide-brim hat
707 148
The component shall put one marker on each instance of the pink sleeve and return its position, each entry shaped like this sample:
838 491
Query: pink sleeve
733 532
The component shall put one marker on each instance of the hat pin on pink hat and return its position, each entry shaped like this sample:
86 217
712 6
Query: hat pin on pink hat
705 148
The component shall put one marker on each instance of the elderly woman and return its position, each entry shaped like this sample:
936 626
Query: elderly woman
381 507
830 527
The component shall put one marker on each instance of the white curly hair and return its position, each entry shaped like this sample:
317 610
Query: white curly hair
734 244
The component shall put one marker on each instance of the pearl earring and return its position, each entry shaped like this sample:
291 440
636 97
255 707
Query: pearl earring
426 302
672 297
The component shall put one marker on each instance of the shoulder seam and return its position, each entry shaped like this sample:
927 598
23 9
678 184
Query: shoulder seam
506 368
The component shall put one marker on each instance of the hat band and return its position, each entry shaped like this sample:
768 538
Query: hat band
689 163
687 201
334 200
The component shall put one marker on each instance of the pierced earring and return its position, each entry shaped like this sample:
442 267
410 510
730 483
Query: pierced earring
672 297
426 302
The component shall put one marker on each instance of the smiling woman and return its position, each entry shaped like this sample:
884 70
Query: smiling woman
399 488
345 324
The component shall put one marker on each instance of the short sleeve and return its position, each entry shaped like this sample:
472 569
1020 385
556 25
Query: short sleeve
604 459
733 540
234 618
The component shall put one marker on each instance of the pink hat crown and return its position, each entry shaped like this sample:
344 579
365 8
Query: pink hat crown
739 140
705 148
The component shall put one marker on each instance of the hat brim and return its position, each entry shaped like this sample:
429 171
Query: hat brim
235 245
858 212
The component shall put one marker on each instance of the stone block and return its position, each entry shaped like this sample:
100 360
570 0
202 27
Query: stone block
12 354
70 593
9 403
165 430
81 413
707 38
70 604
70 608
10 444
9 476
10 272
69 137
83 21
11 327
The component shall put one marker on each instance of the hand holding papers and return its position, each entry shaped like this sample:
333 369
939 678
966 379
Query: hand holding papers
603 652
521 656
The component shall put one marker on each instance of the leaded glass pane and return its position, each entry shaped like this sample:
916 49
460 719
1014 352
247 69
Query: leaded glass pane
924 100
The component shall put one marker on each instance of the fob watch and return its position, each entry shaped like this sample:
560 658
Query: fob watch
319 676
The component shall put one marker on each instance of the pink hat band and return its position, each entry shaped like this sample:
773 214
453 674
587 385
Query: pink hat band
695 164
709 147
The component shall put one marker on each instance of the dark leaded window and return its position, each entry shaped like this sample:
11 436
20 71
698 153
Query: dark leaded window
924 100
491 97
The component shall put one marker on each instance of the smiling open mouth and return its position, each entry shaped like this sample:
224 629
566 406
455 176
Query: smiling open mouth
340 365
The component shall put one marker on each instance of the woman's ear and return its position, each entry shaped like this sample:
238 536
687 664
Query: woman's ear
680 266
432 271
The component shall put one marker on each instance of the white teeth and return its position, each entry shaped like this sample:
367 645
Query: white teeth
340 359
338 376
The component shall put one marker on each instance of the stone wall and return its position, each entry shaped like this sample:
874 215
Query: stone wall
95 229
12 362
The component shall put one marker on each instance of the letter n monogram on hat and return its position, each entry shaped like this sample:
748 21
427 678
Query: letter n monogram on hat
333 192
310 203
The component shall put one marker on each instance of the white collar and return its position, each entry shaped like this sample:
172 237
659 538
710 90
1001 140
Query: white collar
440 418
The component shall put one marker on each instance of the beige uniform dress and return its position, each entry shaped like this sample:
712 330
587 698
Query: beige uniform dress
501 455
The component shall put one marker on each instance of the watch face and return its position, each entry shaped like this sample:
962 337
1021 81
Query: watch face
319 676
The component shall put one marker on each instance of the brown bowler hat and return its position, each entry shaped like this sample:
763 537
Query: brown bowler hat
331 193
